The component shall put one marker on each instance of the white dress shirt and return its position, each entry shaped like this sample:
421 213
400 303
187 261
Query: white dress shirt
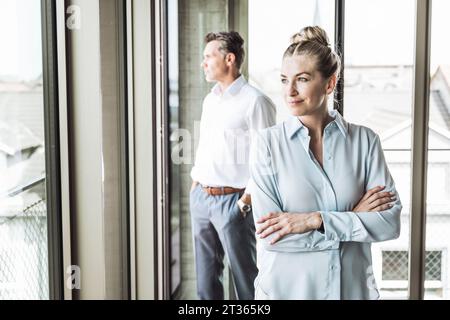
229 120
335 264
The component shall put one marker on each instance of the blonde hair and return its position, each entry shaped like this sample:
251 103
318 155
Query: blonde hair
313 42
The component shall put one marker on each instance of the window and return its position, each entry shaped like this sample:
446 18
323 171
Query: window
189 21
378 92
378 84
267 41
395 271
438 173
23 205
395 265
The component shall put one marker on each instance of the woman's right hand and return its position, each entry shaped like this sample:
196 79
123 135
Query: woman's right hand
375 200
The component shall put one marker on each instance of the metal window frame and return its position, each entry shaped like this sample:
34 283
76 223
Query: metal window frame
419 152
64 139
142 104
172 187
124 146
74 251
339 36
131 158
52 149
162 154
157 133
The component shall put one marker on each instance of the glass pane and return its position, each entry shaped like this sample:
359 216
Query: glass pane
437 281
175 178
188 25
378 94
23 214
268 41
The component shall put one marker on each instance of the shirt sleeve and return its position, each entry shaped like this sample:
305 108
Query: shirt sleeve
338 226
260 116
368 226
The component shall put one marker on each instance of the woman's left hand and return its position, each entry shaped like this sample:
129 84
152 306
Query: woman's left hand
284 223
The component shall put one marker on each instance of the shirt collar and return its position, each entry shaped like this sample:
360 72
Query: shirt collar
233 89
341 123
294 125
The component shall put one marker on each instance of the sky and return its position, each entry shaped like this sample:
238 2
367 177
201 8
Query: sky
20 36
374 35
377 32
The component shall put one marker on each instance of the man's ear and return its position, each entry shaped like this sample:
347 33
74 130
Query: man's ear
331 84
230 59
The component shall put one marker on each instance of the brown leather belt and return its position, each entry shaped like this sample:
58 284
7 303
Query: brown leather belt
220 191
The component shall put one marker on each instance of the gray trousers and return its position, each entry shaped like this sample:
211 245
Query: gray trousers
219 228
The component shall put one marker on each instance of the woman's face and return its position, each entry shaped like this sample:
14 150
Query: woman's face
305 91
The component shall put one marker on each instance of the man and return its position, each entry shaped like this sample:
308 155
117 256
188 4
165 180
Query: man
222 220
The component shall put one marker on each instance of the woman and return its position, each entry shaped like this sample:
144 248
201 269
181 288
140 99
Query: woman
315 221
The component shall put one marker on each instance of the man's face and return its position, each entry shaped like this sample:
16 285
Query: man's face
214 65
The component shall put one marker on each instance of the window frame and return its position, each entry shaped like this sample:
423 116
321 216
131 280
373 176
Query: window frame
52 149
419 146
339 40
419 152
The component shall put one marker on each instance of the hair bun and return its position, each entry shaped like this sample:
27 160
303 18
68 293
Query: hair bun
315 34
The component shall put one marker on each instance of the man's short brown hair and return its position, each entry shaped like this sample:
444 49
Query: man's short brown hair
230 42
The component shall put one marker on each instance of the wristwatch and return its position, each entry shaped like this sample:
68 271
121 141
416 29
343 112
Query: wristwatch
245 208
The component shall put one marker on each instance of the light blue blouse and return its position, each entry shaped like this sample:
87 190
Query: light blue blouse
336 264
